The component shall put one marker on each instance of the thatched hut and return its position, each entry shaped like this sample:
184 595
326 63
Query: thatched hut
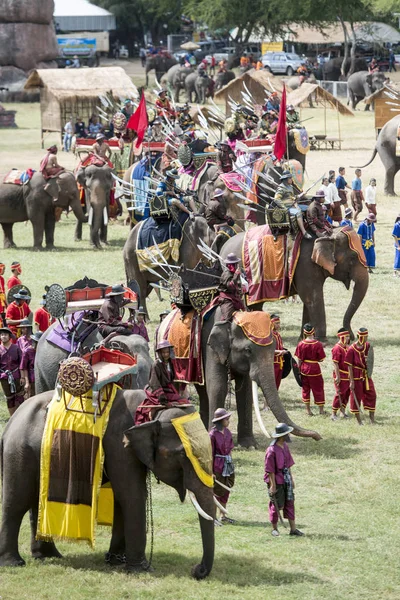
77 92
259 84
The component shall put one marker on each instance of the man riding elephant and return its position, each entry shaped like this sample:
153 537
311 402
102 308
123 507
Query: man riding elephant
215 211
168 189
110 320
230 289
50 169
285 198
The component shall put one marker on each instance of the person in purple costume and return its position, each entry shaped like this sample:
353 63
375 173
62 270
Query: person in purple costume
24 340
223 468
27 365
139 328
278 477
10 378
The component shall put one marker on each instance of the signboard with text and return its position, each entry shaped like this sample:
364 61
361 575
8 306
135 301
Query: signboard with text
74 45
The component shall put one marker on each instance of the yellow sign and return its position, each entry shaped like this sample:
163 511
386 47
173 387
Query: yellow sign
271 47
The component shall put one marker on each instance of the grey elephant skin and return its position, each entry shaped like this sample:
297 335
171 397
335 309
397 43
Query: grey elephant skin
31 202
331 70
363 84
224 78
98 183
189 254
176 77
128 455
386 148
48 359
336 260
160 64
228 353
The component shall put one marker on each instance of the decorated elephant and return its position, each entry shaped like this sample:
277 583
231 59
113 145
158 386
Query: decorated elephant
223 78
388 148
129 453
189 254
19 203
190 87
160 64
98 183
340 257
363 84
177 80
48 358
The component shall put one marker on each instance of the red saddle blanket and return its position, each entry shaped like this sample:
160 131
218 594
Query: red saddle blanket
18 176
92 159
184 332
267 266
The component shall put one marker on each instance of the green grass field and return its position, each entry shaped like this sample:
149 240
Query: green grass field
347 485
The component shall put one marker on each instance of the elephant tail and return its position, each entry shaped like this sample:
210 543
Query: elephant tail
375 152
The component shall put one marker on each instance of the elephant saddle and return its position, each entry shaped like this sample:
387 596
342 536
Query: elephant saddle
167 234
19 177
184 332
268 267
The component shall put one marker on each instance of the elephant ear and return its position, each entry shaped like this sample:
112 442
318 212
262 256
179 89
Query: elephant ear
323 254
80 177
368 79
143 440
220 340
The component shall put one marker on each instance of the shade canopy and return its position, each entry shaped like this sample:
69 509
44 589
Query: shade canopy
190 46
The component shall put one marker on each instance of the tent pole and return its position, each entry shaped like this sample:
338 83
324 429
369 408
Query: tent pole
340 137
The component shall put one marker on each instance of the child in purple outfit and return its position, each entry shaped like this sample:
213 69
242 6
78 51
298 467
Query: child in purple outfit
27 365
278 476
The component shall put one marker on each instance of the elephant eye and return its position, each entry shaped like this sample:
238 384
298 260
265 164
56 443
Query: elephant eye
247 351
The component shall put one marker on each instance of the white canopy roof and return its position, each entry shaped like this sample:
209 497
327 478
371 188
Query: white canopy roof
81 15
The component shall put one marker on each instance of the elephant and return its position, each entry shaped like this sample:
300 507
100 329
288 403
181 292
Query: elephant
294 82
160 64
190 87
98 183
129 453
189 254
363 84
335 259
332 69
204 88
223 78
386 148
48 358
228 353
176 80
32 202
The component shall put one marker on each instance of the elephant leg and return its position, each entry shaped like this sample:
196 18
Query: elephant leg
305 319
9 532
389 160
49 227
40 549
129 484
314 305
38 232
117 545
8 235
204 404
243 392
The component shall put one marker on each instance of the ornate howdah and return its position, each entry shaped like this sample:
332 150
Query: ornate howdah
159 206
200 298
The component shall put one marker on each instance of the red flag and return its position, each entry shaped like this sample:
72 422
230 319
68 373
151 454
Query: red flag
281 130
138 121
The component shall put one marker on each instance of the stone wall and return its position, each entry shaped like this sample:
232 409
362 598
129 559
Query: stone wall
27 40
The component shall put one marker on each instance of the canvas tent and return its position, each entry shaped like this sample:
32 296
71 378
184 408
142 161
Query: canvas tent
76 92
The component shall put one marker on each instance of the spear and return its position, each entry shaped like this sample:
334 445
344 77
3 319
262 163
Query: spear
157 274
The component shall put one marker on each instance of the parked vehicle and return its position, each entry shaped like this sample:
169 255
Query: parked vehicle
281 62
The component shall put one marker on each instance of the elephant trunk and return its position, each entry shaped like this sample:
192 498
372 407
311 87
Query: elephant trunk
77 209
207 527
268 386
361 280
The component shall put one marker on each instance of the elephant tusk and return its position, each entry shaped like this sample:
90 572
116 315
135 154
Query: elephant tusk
90 218
218 505
105 215
197 506
254 388
228 489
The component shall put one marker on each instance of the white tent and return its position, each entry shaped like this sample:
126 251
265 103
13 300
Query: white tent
81 15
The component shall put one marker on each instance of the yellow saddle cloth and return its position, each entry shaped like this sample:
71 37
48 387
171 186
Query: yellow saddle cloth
71 499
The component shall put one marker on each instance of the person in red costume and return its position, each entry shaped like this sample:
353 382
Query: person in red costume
230 292
42 319
18 310
310 353
3 299
340 374
163 105
362 389
16 272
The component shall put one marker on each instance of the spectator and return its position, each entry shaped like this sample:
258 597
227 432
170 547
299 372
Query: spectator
348 218
80 129
116 49
357 196
94 126
392 61
68 131
212 64
396 235
142 56
341 185
370 196
333 196
75 63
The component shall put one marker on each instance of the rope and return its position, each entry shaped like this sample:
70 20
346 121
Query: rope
149 516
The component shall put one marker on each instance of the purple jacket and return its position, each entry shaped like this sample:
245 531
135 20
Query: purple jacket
221 443
10 360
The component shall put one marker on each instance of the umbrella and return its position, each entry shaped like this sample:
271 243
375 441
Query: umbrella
190 46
